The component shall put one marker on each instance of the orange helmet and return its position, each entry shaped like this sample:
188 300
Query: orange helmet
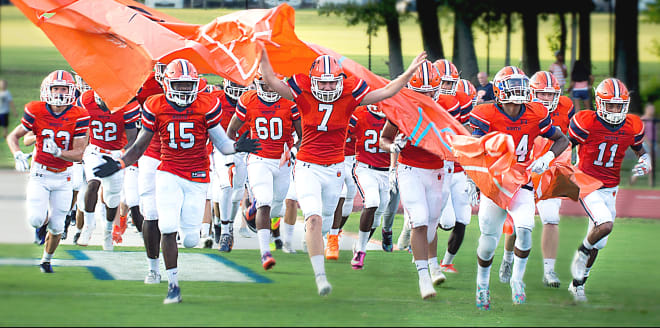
326 69
376 110
267 96
612 91
81 85
233 90
426 79
543 81
511 85
58 78
448 73
203 85
468 88
159 72
181 82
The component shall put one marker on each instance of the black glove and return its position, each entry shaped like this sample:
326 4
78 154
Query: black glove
247 145
108 168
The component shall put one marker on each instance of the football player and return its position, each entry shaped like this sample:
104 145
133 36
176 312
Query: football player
523 120
61 131
602 138
326 99
271 119
185 120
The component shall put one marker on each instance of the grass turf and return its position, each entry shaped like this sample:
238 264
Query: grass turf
622 289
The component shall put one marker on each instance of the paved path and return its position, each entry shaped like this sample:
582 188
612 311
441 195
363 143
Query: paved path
16 230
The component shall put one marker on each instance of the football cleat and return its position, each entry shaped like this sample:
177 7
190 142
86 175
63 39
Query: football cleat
244 232
483 299
332 248
226 243
217 231
518 292
208 243
577 292
123 224
387 240
303 244
40 234
579 265
107 240
45 267
437 277
404 238
287 248
550 279
116 234
173 295
449 268
323 286
67 223
505 271
152 277
267 261
85 236
278 244
426 288
249 214
357 263
76 237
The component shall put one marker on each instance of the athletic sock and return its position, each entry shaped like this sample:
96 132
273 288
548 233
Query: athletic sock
318 265
508 256
225 228
548 265
422 268
363 239
287 232
154 264
483 276
587 244
172 276
519 265
433 263
108 225
205 229
334 231
264 239
448 259
89 218
46 257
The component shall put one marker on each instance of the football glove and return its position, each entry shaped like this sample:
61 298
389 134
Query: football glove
643 166
108 168
398 144
21 161
542 163
51 147
246 145
472 191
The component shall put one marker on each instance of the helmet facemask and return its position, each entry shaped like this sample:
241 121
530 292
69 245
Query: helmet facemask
551 105
233 90
57 99
327 96
182 91
267 96
515 89
612 117
452 88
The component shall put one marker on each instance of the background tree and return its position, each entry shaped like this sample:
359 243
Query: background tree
530 26
626 52
427 12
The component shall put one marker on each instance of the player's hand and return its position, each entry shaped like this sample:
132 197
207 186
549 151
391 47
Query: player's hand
643 166
21 161
51 147
542 163
394 185
472 191
398 144
108 168
246 145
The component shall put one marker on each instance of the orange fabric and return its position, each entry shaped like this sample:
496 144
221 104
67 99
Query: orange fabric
507 228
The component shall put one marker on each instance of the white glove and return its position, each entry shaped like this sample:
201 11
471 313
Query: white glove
542 163
472 191
21 159
51 147
394 186
398 144
643 166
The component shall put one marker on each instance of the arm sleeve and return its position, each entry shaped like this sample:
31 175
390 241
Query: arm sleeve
221 141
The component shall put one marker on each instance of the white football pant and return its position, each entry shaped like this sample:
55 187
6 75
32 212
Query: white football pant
600 206
48 195
147 187
374 187
318 188
112 185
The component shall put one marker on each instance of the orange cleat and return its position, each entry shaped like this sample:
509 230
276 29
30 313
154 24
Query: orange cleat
122 224
448 268
116 234
332 248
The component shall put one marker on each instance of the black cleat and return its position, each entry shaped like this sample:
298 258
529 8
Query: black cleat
45 267
217 231
387 241
226 243
208 243
40 234
75 238
278 244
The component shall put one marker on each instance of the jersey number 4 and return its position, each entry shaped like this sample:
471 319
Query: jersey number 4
601 154
187 138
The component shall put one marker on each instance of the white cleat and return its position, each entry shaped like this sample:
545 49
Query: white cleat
550 279
152 278
287 248
579 265
577 292
426 288
303 244
85 236
404 238
437 277
244 232
505 271
518 292
323 285
107 241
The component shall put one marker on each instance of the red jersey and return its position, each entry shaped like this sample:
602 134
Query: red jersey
72 123
271 123
151 87
365 128
602 146
349 146
562 115
324 125
108 130
183 134
465 103
451 104
532 121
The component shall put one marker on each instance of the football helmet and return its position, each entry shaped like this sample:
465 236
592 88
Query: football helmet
511 85
375 110
233 90
326 69
426 79
266 94
203 85
58 78
181 82
81 84
448 73
159 72
543 81
468 88
612 91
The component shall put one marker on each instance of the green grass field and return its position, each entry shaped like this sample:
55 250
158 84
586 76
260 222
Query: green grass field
622 290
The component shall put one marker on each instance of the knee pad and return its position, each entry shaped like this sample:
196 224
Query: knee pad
523 239
550 218
37 221
190 239
601 243
56 228
165 227
487 246
347 208
112 199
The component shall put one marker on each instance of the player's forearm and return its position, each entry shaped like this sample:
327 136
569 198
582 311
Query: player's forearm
131 136
73 155
12 138
138 148
221 141
560 144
